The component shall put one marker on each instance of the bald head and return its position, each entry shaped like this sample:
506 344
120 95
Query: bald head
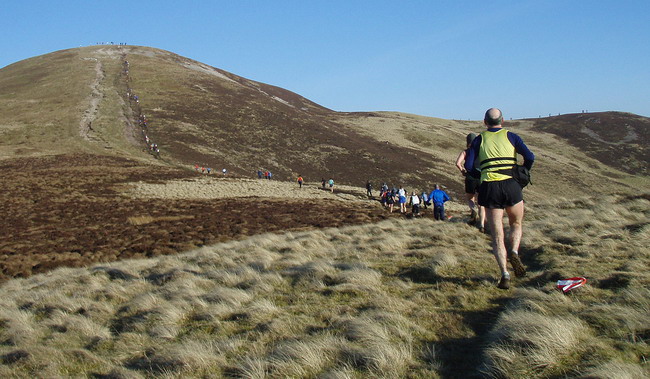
493 117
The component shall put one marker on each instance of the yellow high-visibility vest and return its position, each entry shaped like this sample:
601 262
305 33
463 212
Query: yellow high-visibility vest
496 155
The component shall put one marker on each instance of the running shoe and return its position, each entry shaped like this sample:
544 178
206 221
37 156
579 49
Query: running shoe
517 266
473 217
504 283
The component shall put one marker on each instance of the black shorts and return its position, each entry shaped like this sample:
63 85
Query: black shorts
471 184
499 194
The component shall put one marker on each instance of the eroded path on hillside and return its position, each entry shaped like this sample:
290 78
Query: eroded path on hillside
109 119
86 130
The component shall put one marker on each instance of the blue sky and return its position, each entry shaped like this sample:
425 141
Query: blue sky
449 59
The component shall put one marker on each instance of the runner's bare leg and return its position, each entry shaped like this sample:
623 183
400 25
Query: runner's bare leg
495 221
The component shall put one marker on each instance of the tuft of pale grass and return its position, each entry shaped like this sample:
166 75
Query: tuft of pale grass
304 358
20 328
230 296
190 356
252 368
525 343
344 372
618 370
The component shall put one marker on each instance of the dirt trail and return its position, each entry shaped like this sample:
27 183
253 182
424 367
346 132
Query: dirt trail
85 125
107 89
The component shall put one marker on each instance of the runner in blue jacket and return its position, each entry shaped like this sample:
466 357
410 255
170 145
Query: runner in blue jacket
439 197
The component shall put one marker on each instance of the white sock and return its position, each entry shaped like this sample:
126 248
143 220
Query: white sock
506 275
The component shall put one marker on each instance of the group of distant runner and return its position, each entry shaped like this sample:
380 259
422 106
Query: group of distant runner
204 169
264 174
143 122
418 202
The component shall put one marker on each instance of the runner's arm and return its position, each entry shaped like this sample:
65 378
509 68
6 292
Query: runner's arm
522 149
459 161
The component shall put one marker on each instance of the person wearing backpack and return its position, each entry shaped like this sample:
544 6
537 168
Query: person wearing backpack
390 200
300 180
497 149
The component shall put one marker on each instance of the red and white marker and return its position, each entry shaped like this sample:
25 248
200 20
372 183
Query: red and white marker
567 285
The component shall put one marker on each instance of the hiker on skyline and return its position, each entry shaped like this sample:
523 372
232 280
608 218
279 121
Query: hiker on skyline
497 150
439 198
472 181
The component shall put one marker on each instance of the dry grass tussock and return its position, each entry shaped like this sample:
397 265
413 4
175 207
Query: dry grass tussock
398 298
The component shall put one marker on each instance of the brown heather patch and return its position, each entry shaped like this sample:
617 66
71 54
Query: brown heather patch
615 139
67 211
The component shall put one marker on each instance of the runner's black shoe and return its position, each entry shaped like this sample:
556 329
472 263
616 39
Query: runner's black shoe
504 283
473 217
517 266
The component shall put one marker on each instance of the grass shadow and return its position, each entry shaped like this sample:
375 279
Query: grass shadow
462 357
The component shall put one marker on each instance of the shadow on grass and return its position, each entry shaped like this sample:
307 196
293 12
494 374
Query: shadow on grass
427 275
462 357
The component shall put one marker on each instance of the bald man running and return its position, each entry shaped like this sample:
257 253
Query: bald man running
497 149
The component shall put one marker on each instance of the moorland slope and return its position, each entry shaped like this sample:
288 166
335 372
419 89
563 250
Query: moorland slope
291 282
